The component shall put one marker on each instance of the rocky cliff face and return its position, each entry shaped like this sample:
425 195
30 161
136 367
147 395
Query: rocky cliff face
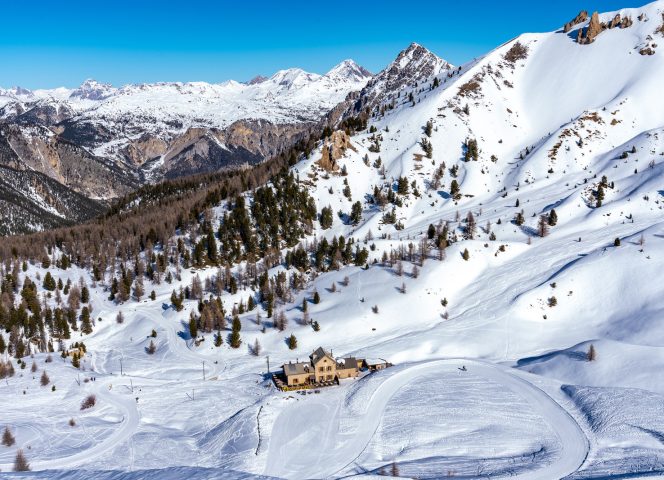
588 34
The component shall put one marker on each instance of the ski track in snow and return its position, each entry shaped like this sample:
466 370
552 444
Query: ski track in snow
338 453
126 428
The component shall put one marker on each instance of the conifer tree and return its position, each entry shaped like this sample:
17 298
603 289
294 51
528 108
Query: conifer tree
49 282
316 298
465 255
44 380
20 462
75 361
292 342
86 324
7 438
455 191
553 218
85 295
235 340
193 327
543 226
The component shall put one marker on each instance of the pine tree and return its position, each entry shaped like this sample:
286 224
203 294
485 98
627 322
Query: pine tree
465 255
519 219
543 226
235 340
553 218
20 462
292 342
257 348
85 294
428 129
7 438
119 318
75 362
356 213
151 348
237 325
49 282
193 327
471 226
455 191
316 326
616 242
139 290
44 380
86 324
591 356
316 299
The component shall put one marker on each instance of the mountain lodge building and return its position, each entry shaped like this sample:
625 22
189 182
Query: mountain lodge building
322 368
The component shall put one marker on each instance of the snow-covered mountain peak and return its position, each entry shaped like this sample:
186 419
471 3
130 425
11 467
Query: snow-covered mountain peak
293 78
417 58
348 70
91 89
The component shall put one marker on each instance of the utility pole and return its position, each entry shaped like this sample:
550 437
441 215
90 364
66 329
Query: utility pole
268 364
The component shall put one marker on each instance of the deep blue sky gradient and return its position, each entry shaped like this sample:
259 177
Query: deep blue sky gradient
45 44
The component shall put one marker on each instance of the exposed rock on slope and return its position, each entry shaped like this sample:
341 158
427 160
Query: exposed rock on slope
580 18
334 147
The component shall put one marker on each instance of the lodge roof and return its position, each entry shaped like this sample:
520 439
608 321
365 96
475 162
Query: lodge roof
319 353
297 368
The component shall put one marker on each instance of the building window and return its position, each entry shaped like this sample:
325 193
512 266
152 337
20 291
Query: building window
320 369
295 381
329 369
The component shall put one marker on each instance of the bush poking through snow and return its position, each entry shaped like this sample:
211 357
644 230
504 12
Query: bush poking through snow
20 462
150 349
518 51
7 438
89 402
44 380
72 422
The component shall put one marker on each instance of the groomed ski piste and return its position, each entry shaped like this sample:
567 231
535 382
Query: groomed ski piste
490 379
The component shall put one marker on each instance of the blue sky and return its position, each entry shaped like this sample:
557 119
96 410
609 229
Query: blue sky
48 43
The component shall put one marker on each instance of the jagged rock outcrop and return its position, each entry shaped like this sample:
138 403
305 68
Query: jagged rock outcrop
334 148
580 18
587 35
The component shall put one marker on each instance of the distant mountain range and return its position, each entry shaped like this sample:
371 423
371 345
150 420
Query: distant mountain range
102 141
